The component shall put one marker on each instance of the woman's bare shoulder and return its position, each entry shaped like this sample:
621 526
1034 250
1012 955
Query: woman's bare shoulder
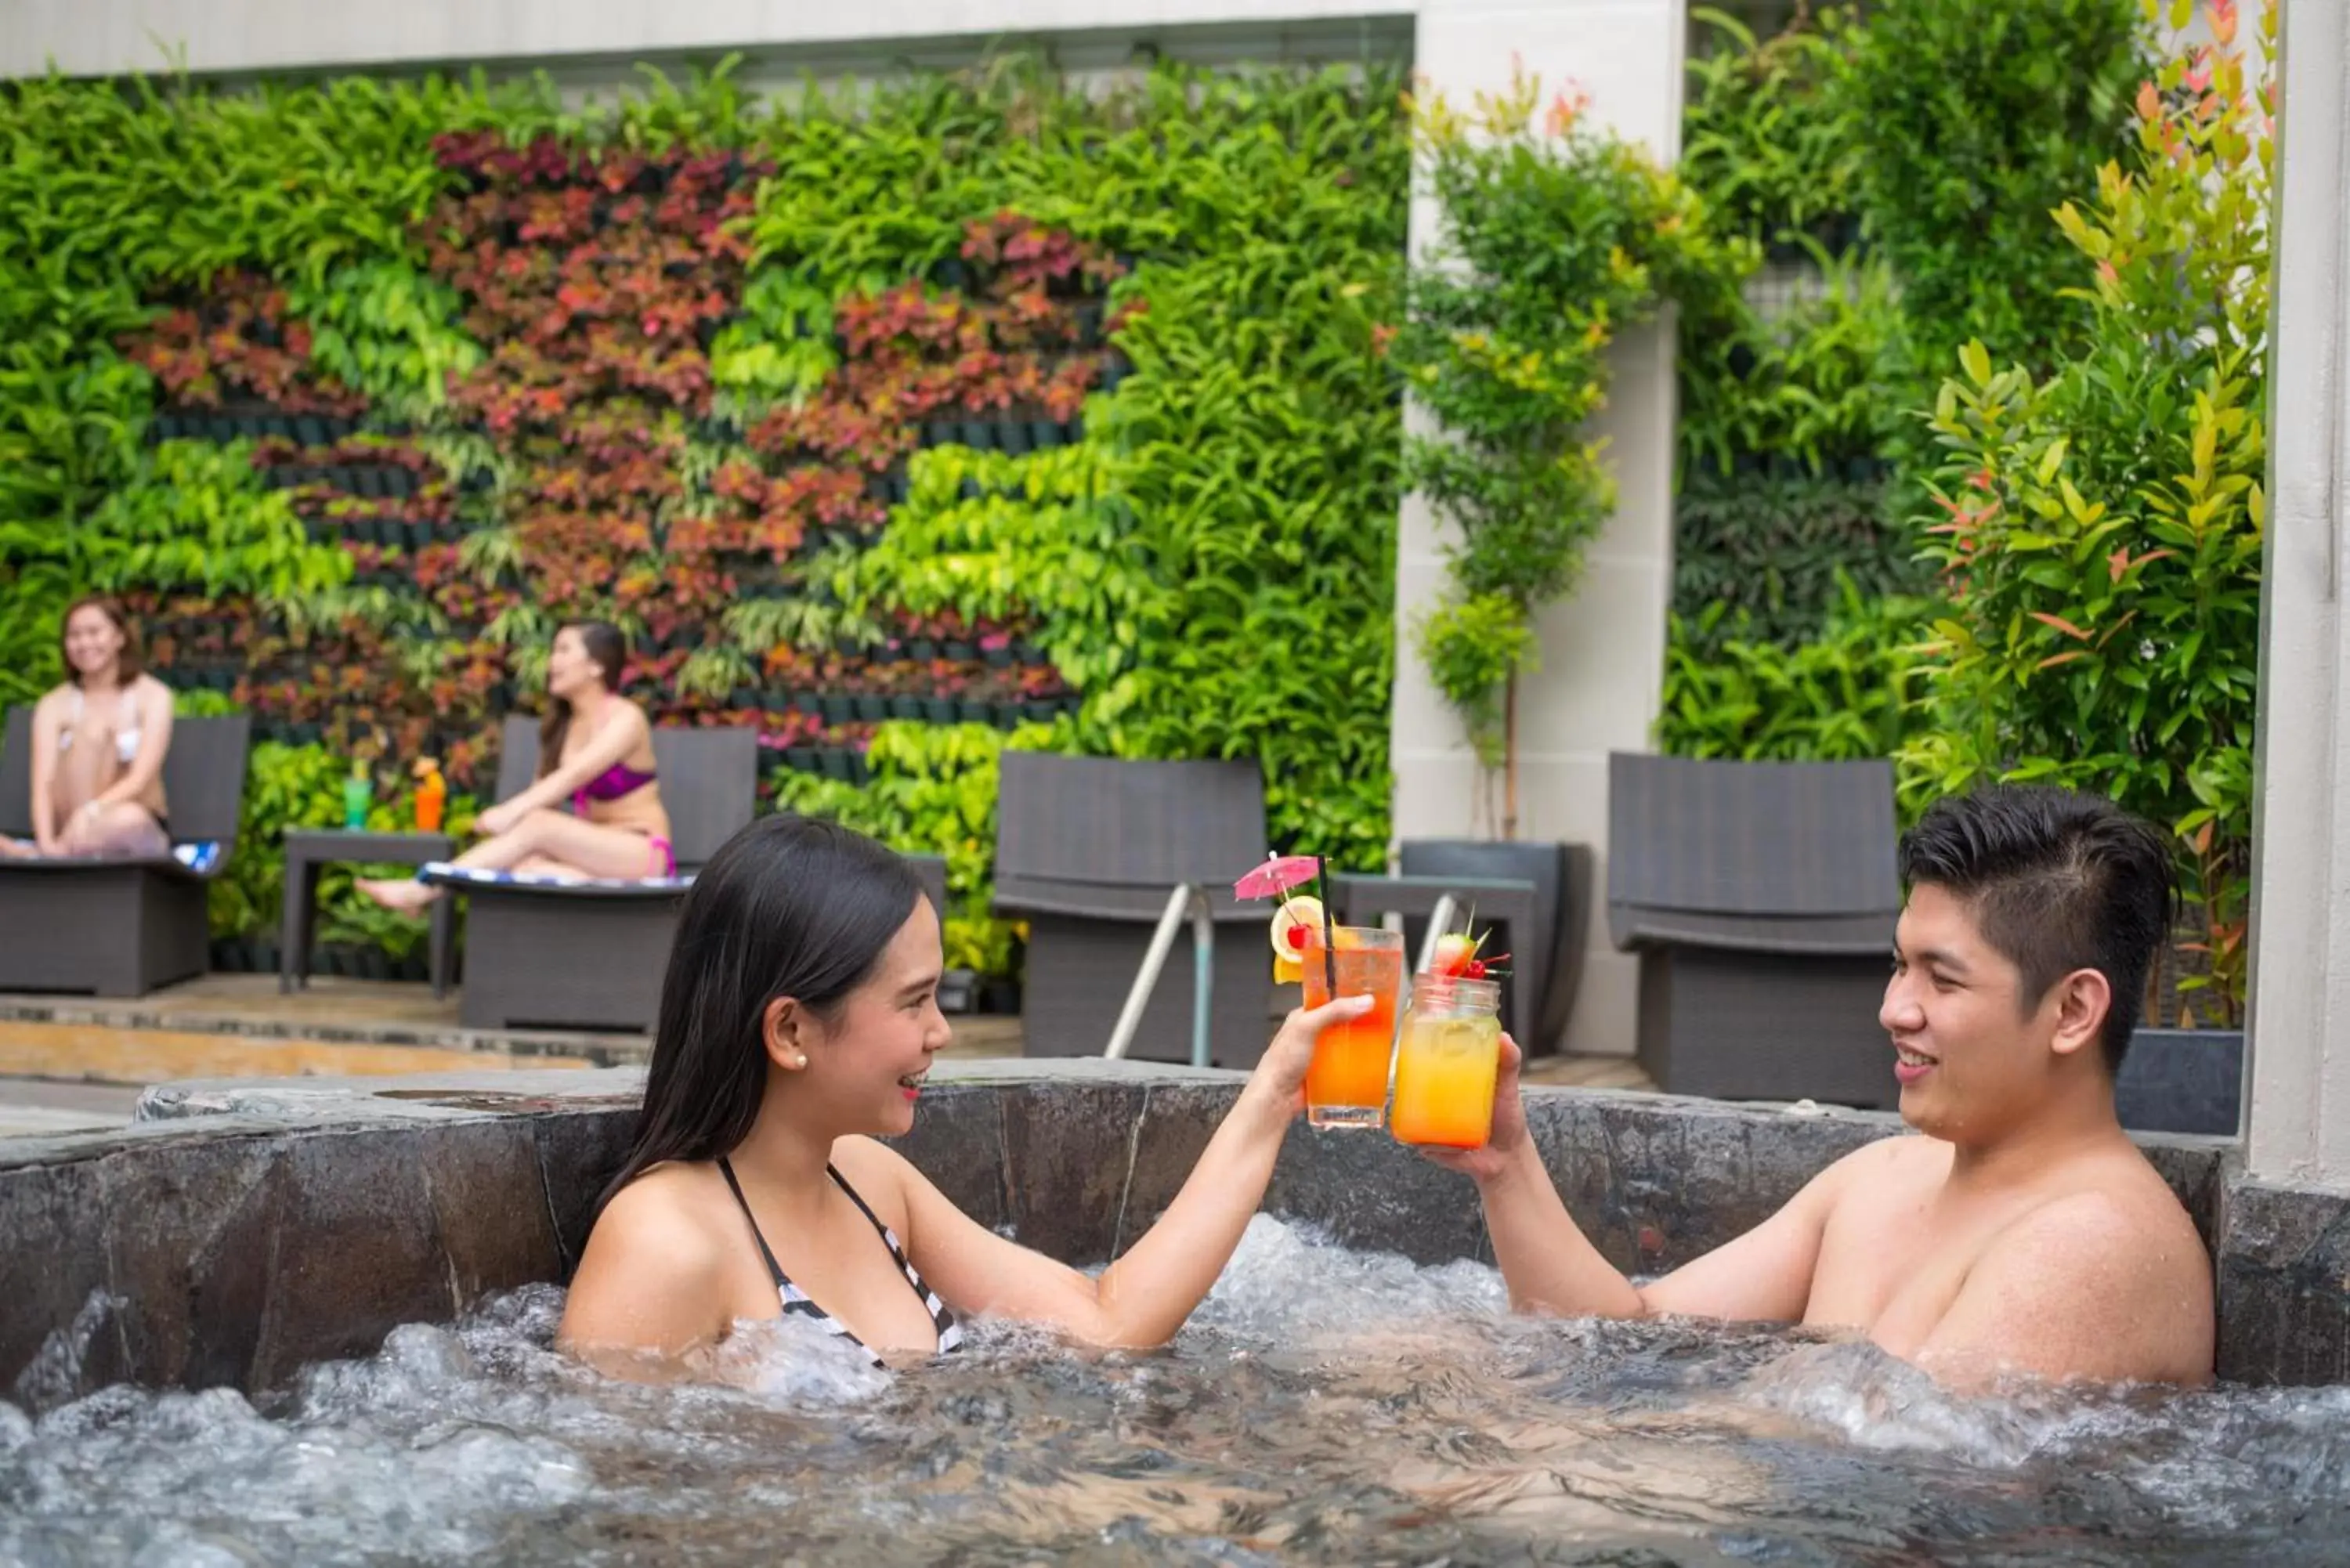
653 1281
877 1172
665 1218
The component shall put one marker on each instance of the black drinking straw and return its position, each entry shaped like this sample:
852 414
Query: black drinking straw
1329 940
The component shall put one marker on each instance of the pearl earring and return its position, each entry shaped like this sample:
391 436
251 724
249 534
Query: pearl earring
799 1060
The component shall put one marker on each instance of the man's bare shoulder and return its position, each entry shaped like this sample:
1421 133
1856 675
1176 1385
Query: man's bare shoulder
2105 1279
1901 1159
2118 1212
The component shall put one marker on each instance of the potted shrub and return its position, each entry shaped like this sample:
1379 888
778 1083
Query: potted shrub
1557 239
2106 547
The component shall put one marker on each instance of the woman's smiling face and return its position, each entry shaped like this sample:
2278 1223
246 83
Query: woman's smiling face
94 644
867 1062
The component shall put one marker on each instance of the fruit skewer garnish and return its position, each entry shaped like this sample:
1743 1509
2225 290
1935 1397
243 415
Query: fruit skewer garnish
1292 931
1298 915
1456 957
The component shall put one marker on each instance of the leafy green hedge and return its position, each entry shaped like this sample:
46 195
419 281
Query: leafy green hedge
1913 155
1184 276
1976 118
1771 553
1852 687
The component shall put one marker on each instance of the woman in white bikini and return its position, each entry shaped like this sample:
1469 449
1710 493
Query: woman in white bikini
595 754
98 744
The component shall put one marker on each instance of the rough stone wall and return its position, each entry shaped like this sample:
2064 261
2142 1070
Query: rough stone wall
240 1230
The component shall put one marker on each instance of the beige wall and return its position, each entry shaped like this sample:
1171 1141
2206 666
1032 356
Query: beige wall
1602 650
86 37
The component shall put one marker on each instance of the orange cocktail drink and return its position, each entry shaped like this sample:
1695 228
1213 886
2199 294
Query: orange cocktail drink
1347 1085
1447 1061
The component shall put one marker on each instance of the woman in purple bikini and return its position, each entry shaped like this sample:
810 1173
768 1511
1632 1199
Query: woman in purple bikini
596 756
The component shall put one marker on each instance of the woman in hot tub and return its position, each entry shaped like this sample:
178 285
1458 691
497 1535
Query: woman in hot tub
595 755
797 1019
98 744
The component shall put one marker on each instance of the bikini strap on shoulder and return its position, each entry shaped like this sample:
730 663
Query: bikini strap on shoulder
862 1207
775 1269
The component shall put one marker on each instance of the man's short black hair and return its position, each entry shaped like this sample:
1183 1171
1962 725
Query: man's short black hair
2057 882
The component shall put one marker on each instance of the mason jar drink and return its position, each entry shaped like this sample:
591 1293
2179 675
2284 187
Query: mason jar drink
1446 1063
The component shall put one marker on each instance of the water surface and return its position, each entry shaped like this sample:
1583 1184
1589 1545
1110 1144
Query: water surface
1323 1406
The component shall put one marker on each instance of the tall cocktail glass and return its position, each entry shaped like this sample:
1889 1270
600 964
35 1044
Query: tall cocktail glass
1347 1085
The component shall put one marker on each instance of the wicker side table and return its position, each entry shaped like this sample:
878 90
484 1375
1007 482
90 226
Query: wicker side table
307 851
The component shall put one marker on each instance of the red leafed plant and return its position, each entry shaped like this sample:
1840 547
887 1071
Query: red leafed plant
237 342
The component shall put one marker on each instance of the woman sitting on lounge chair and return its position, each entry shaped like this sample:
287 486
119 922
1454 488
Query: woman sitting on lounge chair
596 753
797 1019
98 744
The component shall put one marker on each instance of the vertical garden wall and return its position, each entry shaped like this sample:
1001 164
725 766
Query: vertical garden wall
1971 479
903 425
1897 174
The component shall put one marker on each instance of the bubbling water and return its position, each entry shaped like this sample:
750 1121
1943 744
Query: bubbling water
1322 1407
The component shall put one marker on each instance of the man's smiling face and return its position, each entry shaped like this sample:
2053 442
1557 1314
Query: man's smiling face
1971 1055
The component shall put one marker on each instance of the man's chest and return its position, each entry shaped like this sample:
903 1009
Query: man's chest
1892 1268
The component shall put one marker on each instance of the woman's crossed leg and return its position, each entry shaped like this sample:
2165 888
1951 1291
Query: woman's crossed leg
546 842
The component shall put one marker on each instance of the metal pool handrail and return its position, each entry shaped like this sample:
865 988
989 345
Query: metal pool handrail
1186 896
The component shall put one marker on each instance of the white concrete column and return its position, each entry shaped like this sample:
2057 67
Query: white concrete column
1603 649
2299 1080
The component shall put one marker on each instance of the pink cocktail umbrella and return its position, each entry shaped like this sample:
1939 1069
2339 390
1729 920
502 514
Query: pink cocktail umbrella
1277 876
1274 879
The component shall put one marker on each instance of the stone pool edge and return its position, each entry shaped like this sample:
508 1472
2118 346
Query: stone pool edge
240 1229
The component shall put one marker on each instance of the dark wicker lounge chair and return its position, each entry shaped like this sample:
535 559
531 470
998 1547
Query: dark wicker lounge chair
1506 905
1086 851
591 955
1761 898
121 927
932 870
1534 899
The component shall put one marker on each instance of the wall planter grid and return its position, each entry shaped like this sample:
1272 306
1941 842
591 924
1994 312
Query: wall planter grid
459 379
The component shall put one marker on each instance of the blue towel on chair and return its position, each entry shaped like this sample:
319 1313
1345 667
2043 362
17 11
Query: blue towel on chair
446 873
201 855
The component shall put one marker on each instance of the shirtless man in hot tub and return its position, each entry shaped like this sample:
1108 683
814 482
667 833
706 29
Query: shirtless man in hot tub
2023 1233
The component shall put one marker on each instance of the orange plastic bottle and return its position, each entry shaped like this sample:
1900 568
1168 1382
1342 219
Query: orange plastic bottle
432 795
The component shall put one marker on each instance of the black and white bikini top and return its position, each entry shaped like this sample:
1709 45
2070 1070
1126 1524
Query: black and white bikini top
795 1300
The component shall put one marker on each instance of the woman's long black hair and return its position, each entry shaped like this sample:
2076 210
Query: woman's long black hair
602 642
788 907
